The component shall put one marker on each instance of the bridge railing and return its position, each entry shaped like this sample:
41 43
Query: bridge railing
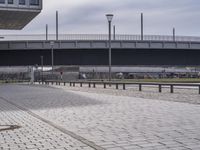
96 37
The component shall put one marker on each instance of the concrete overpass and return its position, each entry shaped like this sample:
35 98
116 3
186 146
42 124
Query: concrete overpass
93 50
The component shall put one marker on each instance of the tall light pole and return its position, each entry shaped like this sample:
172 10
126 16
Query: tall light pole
109 17
52 56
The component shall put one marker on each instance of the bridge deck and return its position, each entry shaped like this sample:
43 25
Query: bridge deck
98 44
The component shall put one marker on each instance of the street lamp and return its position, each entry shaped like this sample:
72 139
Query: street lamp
52 55
109 17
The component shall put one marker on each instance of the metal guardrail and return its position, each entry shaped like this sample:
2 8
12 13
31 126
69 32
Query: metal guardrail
126 37
123 84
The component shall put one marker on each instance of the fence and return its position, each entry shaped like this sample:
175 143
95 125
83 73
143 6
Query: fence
123 84
32 37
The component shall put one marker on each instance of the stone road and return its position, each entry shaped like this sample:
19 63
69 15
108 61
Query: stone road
94 119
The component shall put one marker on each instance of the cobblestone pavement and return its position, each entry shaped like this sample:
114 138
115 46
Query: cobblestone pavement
33 134
110 121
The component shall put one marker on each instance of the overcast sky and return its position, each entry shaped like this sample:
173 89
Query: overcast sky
88 16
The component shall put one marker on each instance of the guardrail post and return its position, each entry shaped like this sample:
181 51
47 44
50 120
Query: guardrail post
104 85
160 88
140 87
171 88
199 89
117 86
81 84
124 86
89 85
94 85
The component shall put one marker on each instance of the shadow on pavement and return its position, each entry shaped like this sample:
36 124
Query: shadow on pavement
42 97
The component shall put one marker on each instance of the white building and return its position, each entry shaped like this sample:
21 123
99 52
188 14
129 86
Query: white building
15 14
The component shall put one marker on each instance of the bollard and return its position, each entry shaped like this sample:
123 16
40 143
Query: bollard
171 88
64 83
140 87
160 88
199 89
52 82
81 84
89 85
124 86
74 84
70 84
59 83
94 85
104 85
117 86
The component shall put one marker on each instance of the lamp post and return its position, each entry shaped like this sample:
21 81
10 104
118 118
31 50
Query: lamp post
42 64
52 56
109 17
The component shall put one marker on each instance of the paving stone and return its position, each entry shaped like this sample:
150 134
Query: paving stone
106 119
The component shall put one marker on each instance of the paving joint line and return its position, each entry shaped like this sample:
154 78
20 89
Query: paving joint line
63 130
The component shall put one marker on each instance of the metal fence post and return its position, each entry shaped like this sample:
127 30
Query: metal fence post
199 89
160 88
171 88
140 87
117 87
124 86
104 85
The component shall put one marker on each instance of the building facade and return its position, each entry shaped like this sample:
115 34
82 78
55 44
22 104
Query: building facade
16 14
